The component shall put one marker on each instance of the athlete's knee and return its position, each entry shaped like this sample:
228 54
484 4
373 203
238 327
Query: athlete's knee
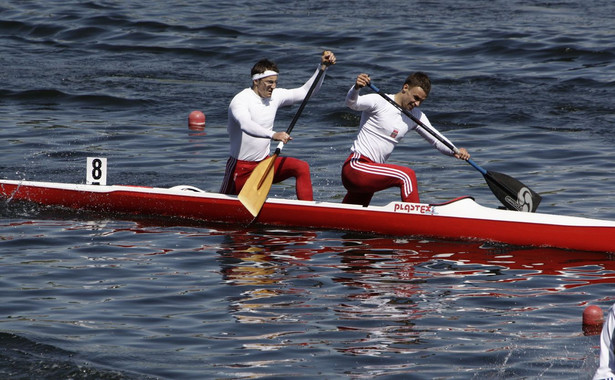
302 168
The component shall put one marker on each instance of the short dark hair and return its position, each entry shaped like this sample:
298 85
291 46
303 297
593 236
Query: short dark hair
264 65
419 79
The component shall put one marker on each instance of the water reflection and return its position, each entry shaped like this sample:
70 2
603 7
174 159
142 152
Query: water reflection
373 299
259 263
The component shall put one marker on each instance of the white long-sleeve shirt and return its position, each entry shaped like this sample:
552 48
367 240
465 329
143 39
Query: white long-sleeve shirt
383 126
607 348
250 119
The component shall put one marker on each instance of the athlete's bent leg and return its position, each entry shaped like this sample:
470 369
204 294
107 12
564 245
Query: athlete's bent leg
286 167
361 175
411 194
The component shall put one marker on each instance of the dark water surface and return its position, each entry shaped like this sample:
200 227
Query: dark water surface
526 86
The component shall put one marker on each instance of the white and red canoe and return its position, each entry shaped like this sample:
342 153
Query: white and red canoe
461 218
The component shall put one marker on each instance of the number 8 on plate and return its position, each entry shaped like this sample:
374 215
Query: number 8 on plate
96 171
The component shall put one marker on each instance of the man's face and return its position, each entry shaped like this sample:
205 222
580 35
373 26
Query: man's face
264 87
412 97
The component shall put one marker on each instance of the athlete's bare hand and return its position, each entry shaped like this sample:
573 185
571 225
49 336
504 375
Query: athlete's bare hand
362 81
281 136
462 154
327 59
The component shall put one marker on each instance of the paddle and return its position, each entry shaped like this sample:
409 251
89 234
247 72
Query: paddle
255 190
513 194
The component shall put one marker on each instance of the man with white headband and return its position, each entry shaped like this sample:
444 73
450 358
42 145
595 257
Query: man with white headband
250 127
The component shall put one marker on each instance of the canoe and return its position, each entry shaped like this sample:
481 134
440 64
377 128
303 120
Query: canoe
458 219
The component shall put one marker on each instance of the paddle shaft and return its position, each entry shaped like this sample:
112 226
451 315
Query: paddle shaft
292 123
305 100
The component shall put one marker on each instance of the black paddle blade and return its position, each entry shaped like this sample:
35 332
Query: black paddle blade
513 194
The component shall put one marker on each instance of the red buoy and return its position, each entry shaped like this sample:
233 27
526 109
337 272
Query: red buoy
593 319
196 120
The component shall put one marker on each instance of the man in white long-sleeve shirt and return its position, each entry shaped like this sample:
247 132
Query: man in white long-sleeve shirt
250 126
382 127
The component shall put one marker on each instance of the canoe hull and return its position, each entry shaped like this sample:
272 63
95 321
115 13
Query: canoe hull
459 219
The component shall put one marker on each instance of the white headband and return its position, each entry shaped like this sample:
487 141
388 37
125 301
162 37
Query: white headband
267 73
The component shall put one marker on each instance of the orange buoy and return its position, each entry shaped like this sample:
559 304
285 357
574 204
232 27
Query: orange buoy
196 120
593 319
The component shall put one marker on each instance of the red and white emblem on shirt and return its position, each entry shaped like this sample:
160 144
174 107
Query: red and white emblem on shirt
394 133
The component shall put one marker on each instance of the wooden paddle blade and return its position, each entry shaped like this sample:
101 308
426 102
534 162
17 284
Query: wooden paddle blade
513 194
255 191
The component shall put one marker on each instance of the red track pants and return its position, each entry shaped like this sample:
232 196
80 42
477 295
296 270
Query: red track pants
362 178
238 172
